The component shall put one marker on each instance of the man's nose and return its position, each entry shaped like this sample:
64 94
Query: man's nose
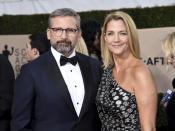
64 34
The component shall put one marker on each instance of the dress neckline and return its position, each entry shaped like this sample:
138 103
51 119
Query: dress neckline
115 83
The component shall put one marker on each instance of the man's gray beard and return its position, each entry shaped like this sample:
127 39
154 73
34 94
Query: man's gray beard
63 49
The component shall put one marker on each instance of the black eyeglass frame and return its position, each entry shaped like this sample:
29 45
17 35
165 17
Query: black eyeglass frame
67 30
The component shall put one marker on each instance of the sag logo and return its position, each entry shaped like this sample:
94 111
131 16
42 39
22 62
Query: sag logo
19 60
6 52
17 57
153 61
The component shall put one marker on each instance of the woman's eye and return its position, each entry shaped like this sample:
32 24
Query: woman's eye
110 33
123 33
172 57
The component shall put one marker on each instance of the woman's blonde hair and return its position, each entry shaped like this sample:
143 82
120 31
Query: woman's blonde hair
168 45
81 47
132 37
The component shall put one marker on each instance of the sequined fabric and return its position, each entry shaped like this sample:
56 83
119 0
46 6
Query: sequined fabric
117 108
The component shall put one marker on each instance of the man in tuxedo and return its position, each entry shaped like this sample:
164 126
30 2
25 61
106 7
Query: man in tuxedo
6 89
57 91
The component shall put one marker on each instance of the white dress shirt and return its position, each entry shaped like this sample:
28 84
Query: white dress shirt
73 79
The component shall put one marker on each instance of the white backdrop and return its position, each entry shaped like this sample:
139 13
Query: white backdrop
16 7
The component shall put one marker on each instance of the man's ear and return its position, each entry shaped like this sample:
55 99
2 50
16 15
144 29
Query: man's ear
79 34
48 33
35 51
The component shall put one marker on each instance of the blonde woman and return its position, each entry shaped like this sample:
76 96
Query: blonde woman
81 47
127 95
168 48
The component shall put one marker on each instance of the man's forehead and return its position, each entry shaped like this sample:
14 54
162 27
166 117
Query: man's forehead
64 20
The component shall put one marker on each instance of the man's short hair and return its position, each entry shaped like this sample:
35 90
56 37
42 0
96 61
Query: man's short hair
40 42
65 12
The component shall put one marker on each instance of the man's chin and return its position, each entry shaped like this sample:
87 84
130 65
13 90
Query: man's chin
66 52
63 51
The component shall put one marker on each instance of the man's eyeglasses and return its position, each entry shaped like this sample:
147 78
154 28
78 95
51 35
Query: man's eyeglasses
69 31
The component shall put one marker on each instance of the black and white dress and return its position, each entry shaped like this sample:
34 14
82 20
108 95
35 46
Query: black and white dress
117 108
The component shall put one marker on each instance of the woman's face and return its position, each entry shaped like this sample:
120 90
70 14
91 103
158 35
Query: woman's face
116 37
171 60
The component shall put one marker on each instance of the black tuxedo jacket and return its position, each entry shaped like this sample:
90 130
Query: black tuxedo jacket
42 101
6 88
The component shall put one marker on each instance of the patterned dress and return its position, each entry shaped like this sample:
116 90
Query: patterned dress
117 108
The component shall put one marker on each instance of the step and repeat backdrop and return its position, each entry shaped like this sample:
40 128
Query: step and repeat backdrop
13 47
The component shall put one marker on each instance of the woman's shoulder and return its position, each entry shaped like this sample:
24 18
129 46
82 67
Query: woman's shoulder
141 76
139 70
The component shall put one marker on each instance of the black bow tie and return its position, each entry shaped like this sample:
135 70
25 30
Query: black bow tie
72 60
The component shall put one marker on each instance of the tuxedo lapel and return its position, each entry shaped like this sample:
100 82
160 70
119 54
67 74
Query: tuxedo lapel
86 71
55 76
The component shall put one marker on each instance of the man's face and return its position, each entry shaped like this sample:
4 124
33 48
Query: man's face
29 52
63 34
